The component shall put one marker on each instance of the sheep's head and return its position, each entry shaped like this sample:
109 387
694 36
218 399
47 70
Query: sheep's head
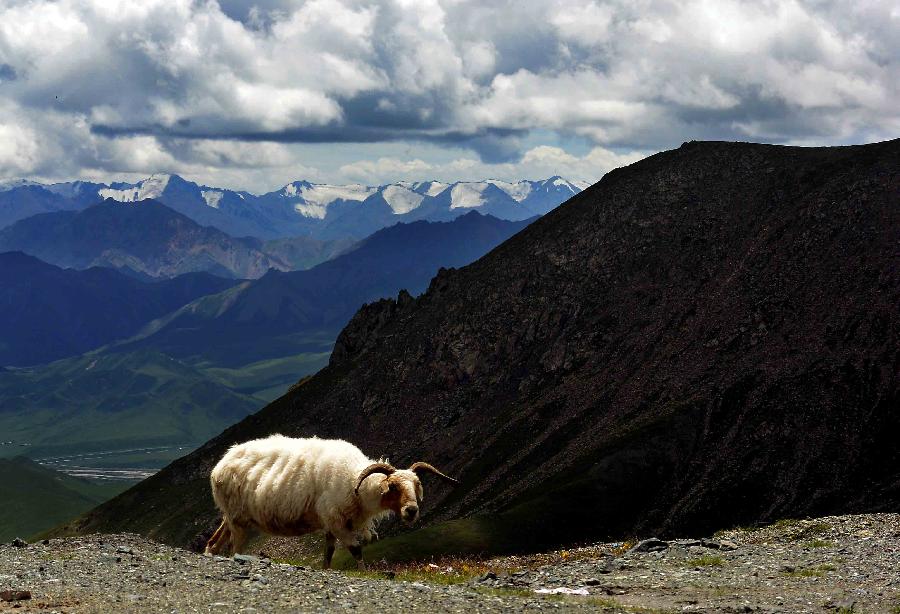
401 489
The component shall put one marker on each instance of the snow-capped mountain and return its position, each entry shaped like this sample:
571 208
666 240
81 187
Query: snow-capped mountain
300 208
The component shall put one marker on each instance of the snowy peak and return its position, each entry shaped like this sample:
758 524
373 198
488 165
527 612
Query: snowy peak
212 197
401 199
518 191
429 188
152 187
301 208
467 195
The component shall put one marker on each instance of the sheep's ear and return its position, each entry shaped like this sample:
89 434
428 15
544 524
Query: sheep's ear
420 494
385 486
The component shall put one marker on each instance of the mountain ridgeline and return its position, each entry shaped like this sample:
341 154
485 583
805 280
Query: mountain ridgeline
321 212
147 239
703 339
287 312
48 313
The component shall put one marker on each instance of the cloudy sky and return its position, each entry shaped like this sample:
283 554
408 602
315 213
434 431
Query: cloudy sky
258 93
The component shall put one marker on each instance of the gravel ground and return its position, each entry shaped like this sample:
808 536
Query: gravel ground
832 564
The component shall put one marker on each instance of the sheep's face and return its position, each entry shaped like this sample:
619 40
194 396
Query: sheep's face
401 492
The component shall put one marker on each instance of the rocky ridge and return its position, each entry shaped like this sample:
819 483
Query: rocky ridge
836 564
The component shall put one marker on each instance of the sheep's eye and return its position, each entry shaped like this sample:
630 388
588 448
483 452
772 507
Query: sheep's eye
392 487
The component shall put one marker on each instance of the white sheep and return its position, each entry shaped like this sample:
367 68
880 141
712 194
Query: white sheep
290 487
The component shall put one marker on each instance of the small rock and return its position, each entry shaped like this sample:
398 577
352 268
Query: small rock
260 579
592 582
718 544
243 559
46 542
19 542
488 576
650 545
124 550
845 605
15 595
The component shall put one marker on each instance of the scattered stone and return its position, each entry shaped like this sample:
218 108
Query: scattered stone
124 550
851 571
718 544
15 595
650 545
845 605
243 559
19 542
561 590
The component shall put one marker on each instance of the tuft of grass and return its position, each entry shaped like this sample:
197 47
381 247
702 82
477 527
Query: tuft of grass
812 530
707 560
811 572
817 543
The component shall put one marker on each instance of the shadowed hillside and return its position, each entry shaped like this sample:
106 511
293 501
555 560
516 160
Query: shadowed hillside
705 338
48 313
284 313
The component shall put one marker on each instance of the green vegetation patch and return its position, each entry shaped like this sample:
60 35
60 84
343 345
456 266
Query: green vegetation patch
817 571
267 379
36 498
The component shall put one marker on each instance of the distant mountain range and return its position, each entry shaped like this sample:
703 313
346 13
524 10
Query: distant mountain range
150 240
301 208
284 313
48 313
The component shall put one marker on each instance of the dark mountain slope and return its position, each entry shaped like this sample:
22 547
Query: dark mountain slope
705 338
146 237
285 313
48 313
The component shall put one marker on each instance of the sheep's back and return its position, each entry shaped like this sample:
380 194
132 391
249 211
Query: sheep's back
277 481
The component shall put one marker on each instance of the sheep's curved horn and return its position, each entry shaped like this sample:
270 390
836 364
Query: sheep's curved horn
384 468
425 467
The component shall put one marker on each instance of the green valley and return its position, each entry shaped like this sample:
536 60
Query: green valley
35 497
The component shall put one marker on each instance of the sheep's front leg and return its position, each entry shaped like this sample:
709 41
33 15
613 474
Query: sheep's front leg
329 550
356 551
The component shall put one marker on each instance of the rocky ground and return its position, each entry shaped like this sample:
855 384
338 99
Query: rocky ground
832 564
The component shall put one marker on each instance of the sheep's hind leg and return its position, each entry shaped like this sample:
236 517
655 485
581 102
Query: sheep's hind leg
356 551
218 539
329 550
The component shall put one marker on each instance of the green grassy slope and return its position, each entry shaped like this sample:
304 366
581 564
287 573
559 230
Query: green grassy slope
110 401
36 498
